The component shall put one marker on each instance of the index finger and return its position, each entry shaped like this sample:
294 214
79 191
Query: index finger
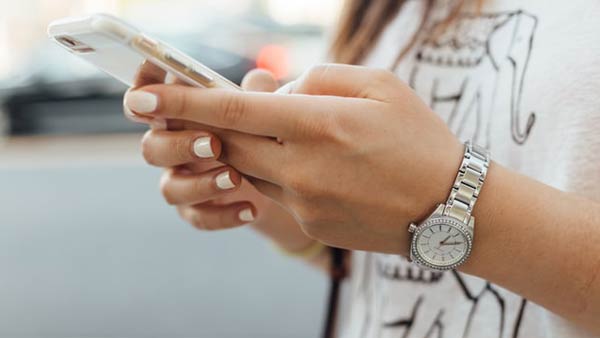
265 114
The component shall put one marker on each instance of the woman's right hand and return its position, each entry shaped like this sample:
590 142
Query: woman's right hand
208 194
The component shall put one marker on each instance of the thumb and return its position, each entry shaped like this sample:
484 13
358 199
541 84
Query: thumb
259 80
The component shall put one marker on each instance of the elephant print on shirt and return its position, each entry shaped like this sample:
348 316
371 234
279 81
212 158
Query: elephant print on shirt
463 64
471 72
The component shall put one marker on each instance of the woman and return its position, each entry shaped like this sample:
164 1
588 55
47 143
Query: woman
352 156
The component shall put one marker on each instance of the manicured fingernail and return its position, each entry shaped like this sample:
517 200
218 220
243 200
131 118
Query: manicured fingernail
141 101
158 124
133 117
224 181
203 148
246 215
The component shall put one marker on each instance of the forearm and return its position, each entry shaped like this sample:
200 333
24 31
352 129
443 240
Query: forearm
539 242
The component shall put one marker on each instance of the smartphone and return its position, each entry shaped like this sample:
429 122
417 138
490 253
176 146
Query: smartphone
124 52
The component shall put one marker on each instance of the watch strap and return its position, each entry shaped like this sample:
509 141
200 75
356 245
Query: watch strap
468 182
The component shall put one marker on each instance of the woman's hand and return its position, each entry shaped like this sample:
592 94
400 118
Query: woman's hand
361 157
352 152
207 193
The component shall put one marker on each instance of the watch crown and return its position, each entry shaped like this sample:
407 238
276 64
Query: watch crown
412 227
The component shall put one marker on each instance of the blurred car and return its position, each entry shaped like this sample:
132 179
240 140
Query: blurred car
58 93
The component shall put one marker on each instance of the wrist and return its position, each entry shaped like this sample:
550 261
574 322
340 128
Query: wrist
490 229
444 239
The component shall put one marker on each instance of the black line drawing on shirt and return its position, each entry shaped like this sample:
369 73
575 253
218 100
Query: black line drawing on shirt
472 294
406 322
477 49
464 72
437 327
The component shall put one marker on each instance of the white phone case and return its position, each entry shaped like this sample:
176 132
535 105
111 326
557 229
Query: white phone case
124 52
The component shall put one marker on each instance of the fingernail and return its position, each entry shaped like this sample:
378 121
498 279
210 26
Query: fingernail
133 117
224 181
141 101
203 148
246 215
158 124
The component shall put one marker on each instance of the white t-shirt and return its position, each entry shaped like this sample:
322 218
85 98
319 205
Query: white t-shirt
522 78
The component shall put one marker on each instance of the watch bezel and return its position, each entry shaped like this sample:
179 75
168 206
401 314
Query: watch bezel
446 220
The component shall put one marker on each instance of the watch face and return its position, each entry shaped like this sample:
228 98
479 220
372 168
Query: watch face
441 243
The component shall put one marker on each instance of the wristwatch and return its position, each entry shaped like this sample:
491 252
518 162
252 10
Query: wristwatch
444 240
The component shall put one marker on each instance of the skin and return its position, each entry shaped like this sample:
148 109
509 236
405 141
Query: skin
188 181
355 156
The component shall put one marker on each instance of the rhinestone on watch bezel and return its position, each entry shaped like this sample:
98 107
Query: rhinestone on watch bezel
449 221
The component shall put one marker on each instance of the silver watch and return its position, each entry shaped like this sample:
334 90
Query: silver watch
444 240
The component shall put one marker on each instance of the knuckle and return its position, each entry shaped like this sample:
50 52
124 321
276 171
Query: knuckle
147 148
331 127
342 128
197 220
179 103
165 189
182 148
204 222
317 72
321 128
235 156
231 110
383 76
313 77
198 188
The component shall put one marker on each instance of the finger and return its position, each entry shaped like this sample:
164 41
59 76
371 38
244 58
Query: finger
186 189
253 155
287 88
259 80
347 81
149 73
255 113
199 167
268 189
172 148
218 217
155 123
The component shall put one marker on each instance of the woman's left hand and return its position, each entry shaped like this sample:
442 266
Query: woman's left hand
352 152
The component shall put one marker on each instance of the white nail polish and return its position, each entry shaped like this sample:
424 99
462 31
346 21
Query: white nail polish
246 215
224 181
203 148
141 102
133 117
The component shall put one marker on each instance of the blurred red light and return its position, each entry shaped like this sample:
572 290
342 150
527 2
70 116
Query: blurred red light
275 59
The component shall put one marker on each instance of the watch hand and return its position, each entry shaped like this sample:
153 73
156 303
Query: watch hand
444 241
453 243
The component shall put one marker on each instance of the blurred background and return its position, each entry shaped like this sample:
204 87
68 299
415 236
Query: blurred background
87 246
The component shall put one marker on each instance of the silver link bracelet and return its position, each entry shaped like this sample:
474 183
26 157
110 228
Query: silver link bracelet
468 182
